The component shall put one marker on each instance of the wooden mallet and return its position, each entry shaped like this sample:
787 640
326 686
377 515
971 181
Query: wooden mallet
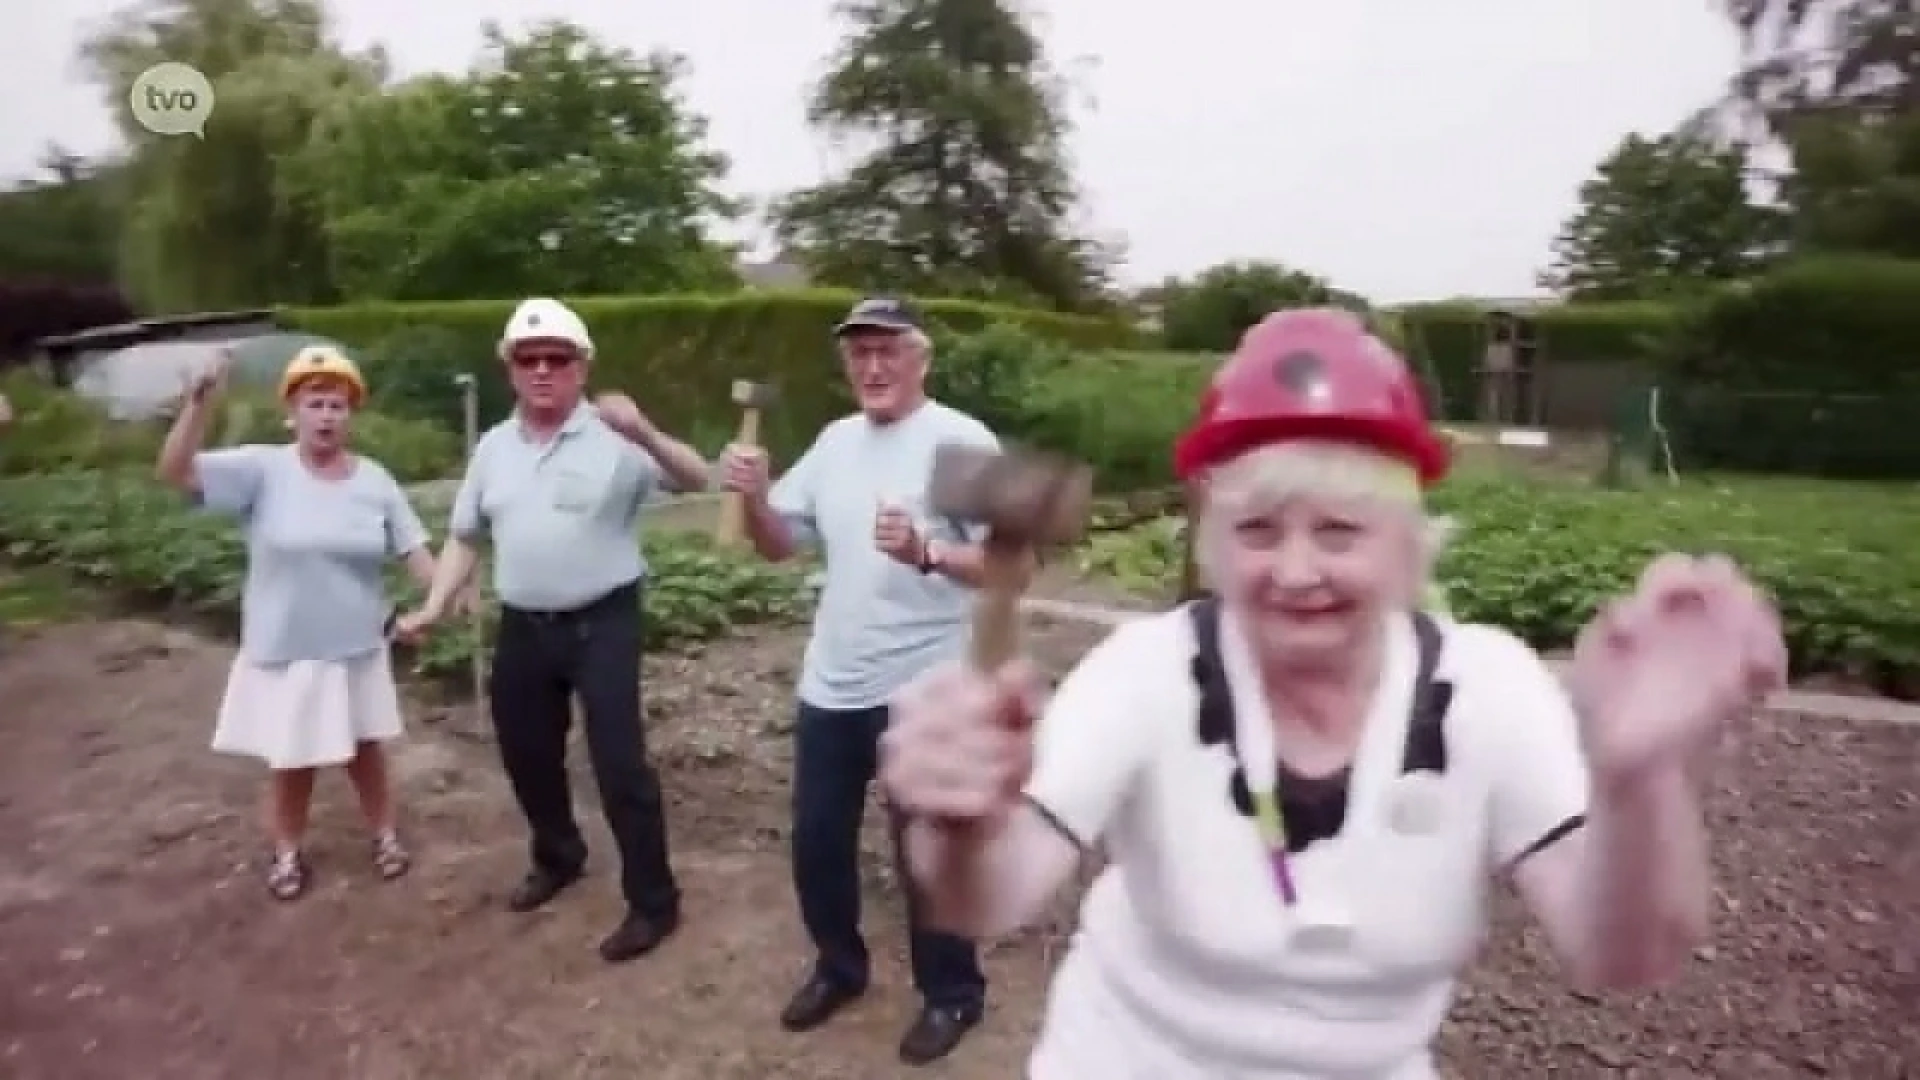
731 531
1027 500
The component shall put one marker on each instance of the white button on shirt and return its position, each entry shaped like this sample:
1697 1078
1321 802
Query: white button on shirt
1188 966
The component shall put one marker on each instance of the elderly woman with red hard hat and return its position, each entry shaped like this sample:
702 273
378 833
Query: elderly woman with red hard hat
1303 784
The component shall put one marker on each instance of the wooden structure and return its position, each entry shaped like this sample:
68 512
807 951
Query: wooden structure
1511 386
64 355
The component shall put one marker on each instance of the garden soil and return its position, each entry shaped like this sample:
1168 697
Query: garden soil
136 942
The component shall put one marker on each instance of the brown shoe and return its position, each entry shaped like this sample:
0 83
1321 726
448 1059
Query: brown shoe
935 1032
637 936
537 889
815 1003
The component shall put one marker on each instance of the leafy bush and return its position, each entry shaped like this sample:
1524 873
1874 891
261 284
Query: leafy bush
994 374
1121 412
1809 369
55 430
1838 559
677 355
143 542
1839 325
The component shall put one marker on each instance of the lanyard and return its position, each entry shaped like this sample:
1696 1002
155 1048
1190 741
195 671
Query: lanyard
1272 826
1259 760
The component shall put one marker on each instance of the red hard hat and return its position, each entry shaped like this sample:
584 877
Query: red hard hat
1313 373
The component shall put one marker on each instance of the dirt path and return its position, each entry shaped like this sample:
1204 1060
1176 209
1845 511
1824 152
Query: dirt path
136 942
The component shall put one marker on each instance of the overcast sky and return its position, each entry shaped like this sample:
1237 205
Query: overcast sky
1407 149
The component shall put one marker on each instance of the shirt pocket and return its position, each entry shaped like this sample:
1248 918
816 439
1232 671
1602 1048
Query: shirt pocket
583 485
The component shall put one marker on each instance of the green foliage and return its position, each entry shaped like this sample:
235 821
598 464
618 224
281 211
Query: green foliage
142 542
1663 217
1838 559
1209 312
677 355
63 226
1855 185
1807 370
994 374
1836 325
55 431
221 222
1121 412
1867 62
1144 560
968 192
558 164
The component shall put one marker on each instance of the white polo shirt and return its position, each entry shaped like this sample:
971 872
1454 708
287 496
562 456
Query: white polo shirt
1187 965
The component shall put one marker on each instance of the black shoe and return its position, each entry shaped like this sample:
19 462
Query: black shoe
935 1032
815 1003
537 888
637 936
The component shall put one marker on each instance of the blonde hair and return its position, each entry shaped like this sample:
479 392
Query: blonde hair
1263 479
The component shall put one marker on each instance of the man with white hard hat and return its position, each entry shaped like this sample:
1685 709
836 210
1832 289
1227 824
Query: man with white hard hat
558 487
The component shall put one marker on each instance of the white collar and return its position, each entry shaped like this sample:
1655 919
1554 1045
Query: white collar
1376 759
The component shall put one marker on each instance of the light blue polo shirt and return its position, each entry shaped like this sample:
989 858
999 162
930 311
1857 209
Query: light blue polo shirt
316 550
561 515
879 623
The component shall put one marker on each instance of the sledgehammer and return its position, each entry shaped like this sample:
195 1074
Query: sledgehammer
1027 500
752 397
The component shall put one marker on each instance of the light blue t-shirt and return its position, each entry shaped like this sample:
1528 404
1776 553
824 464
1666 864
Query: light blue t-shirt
879 623
562 514
316 550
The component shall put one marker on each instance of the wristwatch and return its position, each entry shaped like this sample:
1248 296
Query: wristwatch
929 556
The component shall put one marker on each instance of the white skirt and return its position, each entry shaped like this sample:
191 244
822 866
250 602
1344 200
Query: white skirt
308 713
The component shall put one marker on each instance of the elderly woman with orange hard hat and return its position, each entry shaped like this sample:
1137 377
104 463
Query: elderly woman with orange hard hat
1304 784
311 685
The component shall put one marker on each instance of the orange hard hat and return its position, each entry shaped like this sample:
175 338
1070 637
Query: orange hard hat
323 362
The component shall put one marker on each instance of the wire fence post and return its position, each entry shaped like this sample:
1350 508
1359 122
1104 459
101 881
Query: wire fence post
477 658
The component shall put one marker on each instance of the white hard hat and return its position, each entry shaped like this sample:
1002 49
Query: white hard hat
545 319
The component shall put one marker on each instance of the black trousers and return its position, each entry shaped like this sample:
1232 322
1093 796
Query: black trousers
540 660
836 754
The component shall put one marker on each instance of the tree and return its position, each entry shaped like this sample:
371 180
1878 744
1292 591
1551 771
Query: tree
216 221
1663 217
1838 82
1855 185
1859 56
968 191
64 225
1211 311
557 164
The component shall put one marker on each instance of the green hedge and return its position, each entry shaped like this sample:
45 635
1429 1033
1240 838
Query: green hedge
141 542
1839 559
1835 326
56 430
677 355
1813 369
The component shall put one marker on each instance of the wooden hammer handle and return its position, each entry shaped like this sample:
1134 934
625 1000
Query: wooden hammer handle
996 610
732 529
